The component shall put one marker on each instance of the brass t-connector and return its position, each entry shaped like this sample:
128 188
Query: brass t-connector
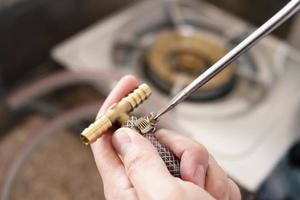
118 112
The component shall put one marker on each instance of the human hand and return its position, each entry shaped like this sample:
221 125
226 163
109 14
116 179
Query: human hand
131 168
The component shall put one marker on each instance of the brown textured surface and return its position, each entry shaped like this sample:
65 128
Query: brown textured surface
11 143
61 167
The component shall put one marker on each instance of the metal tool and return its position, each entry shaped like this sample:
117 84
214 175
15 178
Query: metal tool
281 16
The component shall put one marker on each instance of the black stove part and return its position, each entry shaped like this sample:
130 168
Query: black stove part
282 184
294 156
29 29
4 114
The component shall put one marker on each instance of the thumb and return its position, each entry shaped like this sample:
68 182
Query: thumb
145 169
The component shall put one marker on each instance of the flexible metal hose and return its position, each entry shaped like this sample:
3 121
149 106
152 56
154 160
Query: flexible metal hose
146 126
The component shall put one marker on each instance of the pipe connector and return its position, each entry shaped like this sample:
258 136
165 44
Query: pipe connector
117 112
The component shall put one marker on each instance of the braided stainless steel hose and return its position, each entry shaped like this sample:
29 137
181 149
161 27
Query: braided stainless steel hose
146 126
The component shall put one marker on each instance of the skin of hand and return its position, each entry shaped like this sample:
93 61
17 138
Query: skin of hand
131 168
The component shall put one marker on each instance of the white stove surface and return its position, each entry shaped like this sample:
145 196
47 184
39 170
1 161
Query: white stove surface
246 139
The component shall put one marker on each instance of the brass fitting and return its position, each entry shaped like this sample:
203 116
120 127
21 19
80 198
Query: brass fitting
117 112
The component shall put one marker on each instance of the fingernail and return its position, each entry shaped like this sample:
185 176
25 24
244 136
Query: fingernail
199 175
121 141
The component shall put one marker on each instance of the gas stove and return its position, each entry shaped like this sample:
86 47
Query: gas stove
246 116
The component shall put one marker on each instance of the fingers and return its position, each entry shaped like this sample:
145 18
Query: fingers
115 181
193 191
219 185
217 182
108 162
235 193
145 169
198 167
193 156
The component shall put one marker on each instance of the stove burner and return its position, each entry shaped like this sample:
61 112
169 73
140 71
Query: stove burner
153 50
174 59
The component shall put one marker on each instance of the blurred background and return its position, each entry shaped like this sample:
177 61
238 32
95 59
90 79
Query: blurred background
59 60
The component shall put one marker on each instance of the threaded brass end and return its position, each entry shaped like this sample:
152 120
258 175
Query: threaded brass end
116 113
138 96
94 131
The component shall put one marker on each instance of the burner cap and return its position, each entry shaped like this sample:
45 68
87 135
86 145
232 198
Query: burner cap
175 59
